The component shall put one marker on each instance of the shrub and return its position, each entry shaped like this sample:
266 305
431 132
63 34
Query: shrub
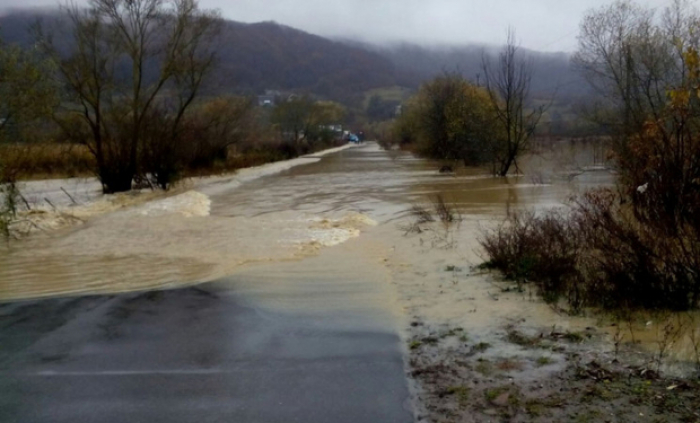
597 254
632 263
541 249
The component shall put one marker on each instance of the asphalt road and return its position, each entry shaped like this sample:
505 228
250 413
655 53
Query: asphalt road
209 353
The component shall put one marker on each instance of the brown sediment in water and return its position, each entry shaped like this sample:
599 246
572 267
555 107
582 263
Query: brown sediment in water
452 313
155 240
146 248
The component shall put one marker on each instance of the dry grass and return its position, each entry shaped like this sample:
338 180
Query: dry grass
438 221
47 160
541 249
63 160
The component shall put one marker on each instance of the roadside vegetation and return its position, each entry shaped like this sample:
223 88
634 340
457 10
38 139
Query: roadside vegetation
627 255
450 119
27 97
637 245
455 120
118 90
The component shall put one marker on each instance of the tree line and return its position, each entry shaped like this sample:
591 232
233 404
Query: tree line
125 81
636 245
454 119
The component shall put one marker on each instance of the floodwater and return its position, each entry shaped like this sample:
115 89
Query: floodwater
355 202
204 235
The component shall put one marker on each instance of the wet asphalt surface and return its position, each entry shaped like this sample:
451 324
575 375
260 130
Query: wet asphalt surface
197 354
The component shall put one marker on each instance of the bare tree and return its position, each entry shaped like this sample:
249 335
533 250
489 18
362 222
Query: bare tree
632 56
132 61
508 85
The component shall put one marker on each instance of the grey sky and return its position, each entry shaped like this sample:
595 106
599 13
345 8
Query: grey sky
550 25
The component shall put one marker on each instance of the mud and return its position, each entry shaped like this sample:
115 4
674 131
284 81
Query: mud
542 377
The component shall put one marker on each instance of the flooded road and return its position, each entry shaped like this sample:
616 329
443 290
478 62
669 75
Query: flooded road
309 271
312 343
211 232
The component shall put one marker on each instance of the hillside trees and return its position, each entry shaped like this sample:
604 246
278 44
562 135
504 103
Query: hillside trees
27 93
379 109
135 68
449 119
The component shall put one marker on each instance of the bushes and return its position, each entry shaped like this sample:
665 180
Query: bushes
639 245
597 254
449 119
224 133
542 249
221 134
636 264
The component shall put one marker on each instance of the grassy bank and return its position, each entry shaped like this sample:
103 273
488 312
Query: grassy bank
37 161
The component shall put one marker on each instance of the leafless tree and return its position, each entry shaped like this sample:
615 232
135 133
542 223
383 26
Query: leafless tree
632 56
508 84
131 61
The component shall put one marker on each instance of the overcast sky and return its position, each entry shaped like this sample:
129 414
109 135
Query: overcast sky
549 25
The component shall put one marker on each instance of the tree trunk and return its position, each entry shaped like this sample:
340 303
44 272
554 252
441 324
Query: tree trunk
117 181
505 166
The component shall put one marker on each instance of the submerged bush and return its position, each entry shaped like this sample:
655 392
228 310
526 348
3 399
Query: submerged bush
633 263
597 254
541 249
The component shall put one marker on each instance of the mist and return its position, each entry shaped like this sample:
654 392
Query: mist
544 25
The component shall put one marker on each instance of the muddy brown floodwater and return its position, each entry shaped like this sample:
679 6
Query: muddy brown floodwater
355 202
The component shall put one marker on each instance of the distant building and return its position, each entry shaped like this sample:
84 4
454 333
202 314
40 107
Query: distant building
335 128
266 100
269 99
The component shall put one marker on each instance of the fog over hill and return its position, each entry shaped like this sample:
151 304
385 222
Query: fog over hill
551 72
268 56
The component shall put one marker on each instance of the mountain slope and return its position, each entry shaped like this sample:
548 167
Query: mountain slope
268 56
256 57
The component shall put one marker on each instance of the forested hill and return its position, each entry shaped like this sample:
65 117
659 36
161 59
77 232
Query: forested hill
261 56
551 72
268 56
